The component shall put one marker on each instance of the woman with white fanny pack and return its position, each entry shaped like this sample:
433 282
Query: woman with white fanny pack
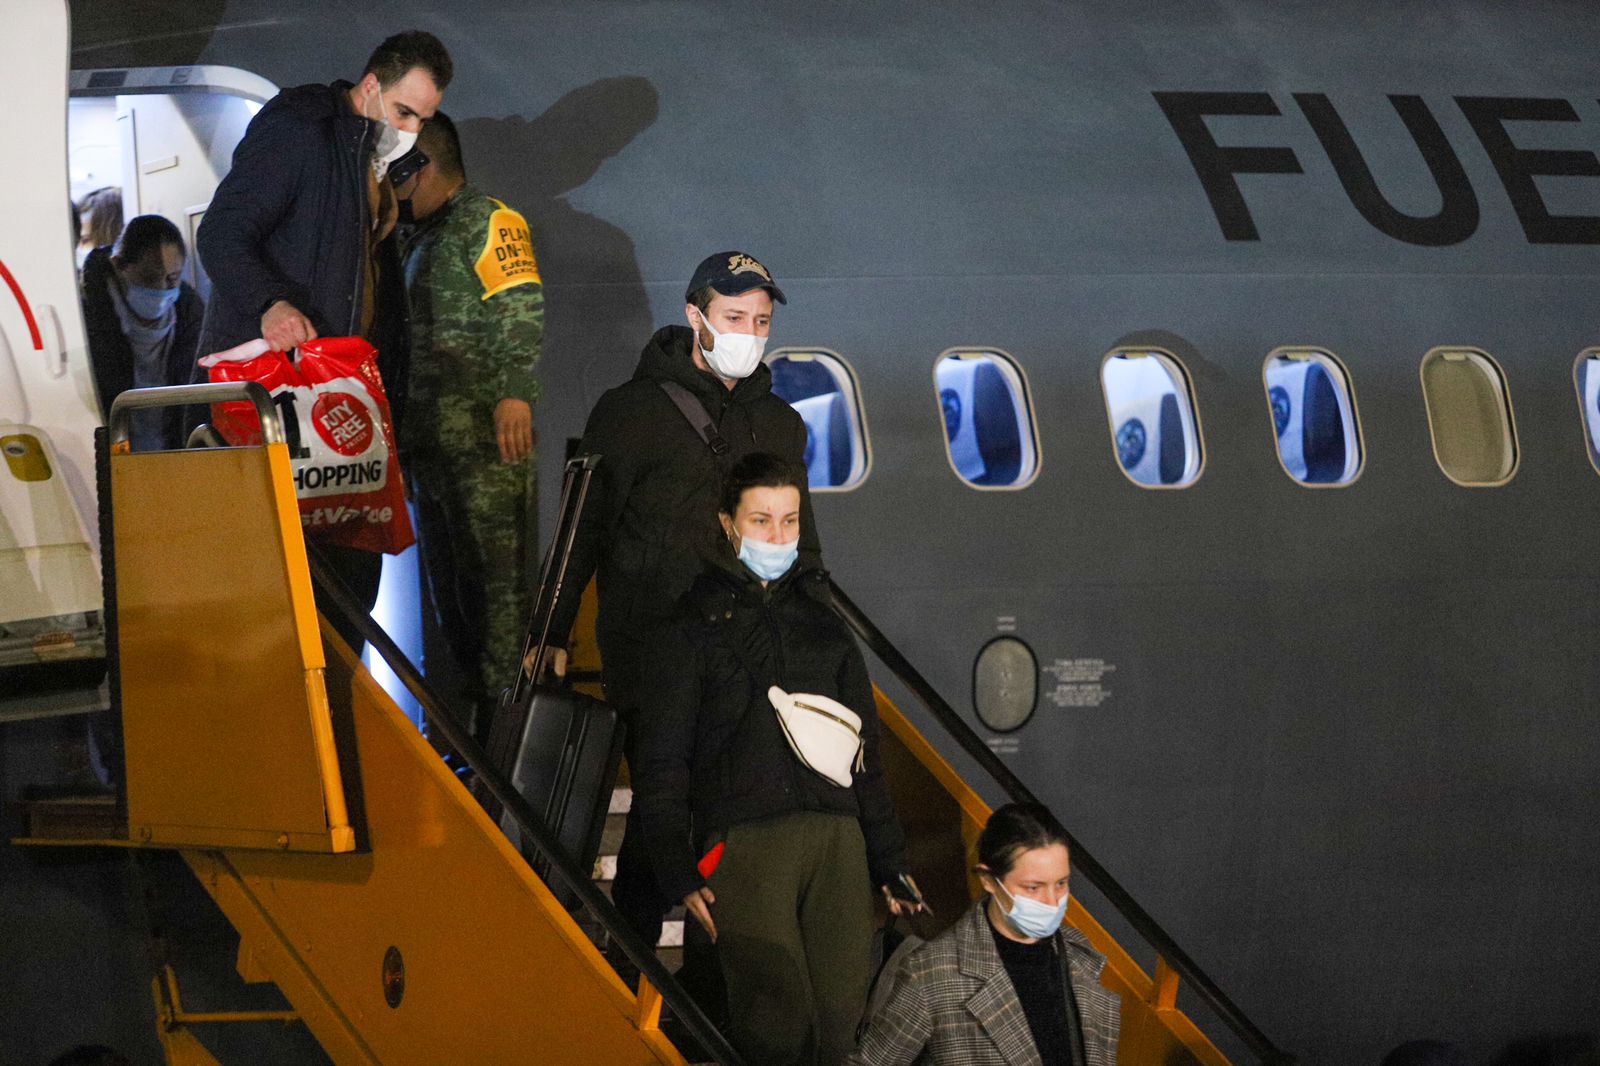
760 794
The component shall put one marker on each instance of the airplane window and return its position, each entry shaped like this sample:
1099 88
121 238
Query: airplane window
1005 684
988 420
822 388
1313 414
1469 416
1155 430
1587 373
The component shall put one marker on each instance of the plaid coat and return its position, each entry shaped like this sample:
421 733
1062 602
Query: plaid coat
953 1004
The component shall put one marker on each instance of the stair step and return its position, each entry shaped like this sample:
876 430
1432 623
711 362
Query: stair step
92 816
669 948
611 834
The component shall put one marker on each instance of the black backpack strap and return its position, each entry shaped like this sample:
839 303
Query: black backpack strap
695 411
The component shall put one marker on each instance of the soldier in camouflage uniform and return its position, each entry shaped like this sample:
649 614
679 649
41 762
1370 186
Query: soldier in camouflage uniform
477 321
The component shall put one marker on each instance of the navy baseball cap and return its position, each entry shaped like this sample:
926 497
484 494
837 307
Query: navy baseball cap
731 274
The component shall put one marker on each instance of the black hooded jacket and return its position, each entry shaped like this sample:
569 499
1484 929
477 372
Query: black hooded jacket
650 522
110 354
711 752
290 222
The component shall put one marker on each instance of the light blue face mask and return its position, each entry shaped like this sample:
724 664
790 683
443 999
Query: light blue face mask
1033 919
768 561
151 304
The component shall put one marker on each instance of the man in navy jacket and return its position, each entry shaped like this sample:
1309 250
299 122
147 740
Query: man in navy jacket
297 239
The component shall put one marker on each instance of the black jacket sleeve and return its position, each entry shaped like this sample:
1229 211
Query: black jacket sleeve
251 201
607 491
886 841
181 366
665 749
810 539
110 357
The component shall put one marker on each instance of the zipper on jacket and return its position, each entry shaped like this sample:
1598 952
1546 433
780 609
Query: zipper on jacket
356 302
781 674
780 678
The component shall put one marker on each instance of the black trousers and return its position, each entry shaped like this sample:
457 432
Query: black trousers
361 571
634 890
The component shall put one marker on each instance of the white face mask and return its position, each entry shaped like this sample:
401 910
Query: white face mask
392 143
733 356
1031 918
767 561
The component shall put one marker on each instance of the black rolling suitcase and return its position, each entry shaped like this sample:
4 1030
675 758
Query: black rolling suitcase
560 748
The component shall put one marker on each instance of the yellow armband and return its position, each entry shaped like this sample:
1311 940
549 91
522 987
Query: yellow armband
507 258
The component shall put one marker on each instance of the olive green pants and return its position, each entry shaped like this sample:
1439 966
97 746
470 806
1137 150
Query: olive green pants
794 933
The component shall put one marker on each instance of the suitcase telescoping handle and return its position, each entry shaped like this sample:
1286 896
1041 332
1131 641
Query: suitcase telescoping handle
552 574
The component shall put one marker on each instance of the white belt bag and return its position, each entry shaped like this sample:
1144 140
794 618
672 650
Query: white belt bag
824 734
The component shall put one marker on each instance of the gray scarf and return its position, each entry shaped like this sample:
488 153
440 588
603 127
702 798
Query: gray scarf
150 344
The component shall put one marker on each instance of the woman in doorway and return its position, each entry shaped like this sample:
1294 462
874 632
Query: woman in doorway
1008 983
772 843
143 323
99 221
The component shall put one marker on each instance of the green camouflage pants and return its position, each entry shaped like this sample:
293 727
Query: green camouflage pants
478 531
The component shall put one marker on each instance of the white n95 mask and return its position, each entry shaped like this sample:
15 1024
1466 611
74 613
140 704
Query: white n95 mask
733 356
392 143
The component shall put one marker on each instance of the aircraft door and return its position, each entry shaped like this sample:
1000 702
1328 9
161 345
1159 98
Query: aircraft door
49 572
165 135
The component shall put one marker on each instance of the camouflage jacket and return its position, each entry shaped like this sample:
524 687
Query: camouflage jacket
477 321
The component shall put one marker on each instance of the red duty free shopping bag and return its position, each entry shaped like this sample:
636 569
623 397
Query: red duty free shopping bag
341 440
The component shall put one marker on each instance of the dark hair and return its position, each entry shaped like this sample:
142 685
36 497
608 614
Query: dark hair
146 234
702 296
77 221
103 209
758 470
404 52
1014 829
90 1055
442 144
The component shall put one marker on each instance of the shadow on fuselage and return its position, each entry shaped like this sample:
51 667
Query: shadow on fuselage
595 300
168 35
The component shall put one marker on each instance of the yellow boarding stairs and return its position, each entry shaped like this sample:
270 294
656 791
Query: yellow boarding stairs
364 879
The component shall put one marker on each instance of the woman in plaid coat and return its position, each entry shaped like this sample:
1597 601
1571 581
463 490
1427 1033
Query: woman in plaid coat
1008 984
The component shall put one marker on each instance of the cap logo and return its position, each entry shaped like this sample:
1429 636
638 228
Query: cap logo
743 264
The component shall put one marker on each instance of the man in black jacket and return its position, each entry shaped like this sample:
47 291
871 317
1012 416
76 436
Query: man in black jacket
297 237
651 518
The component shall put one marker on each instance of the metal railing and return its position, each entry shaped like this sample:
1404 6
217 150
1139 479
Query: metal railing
252 392
1082 862
335 598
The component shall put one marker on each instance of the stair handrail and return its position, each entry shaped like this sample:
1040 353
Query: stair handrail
1082 861
336 595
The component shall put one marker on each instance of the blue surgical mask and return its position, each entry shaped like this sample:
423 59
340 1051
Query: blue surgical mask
1033 919
151 304
768 561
